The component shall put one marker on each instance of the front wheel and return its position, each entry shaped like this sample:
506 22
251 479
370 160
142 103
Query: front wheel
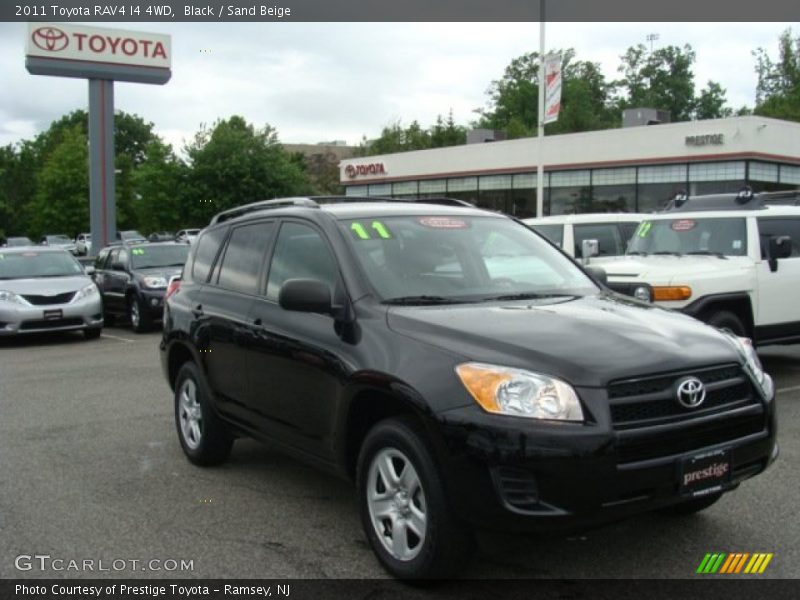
403 507
727 321
203 437
139 315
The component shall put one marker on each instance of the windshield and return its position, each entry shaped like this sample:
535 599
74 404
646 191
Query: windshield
25 265
131 235
145 257
58 239
19 241
460 259
721 236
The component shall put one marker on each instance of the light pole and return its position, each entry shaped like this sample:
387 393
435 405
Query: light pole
540 130
652 37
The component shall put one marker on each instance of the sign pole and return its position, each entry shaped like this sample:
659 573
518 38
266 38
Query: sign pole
102 199
540 131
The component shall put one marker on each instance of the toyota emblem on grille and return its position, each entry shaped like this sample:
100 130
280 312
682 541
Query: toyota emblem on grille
691 392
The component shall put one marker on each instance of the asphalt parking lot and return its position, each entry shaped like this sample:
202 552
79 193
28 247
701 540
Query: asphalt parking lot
90 468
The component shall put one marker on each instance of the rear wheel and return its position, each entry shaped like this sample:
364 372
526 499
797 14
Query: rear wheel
403 508
690 507
726 321
202 435
139 315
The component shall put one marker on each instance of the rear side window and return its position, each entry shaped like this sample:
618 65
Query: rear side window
608 238
244 257
300 253
100 261
779 226
207 249
554 233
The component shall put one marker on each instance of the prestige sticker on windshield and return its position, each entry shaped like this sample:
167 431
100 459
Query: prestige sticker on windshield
443 223
683 225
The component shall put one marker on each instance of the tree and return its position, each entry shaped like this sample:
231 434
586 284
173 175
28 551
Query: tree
396 138
711 103
778 88
159 182
61 204
586 98
234 163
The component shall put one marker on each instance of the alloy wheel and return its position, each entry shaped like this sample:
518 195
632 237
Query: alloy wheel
190 415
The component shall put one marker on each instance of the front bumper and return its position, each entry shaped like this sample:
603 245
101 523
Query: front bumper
16 319
511 474
153 302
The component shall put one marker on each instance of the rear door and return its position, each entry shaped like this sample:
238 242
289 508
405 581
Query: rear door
224 311
294 364
778 310
116 280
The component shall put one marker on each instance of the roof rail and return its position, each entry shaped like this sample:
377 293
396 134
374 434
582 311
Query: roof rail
786 197
442 200
232 213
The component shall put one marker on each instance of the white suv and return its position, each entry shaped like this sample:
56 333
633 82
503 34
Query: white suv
611 231
737 268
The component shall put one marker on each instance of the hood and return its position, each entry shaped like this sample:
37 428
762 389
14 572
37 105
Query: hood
45 286
586 341
669 269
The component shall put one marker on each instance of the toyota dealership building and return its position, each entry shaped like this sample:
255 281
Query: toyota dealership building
627 169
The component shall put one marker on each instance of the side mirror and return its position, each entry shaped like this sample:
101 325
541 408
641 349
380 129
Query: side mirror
306 295
599 274
89 270
589 248
117 266
780 246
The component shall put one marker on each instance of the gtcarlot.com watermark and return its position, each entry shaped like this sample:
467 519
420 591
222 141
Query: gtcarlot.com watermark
46 562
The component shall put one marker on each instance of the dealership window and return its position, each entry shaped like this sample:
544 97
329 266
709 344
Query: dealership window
624 176
613 198
764 177
716 177
569 192
523 203
523 181
404 188
654 196
436 187
380 189
570 178
462 184
663 174
355 190
790 174
495 182
495 200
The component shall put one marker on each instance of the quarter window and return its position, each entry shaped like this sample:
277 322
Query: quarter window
244 256
300 253
772 227
207 249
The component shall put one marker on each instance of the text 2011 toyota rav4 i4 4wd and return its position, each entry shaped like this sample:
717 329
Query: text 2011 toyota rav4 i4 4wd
460 368
731 260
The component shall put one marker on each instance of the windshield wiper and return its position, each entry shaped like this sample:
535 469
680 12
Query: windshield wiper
523 296
636 253
708 253
421 300
668 253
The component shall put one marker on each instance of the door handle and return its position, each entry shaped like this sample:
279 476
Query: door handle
197 311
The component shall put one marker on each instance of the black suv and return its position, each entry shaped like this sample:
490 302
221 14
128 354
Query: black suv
133 280
461 369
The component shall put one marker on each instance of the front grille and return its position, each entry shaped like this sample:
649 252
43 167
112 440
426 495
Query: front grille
51 323
48 300
651 423
517 487
651 401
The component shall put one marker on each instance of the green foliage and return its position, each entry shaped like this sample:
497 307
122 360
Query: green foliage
778 88
234 163
61 204
396 138
159 181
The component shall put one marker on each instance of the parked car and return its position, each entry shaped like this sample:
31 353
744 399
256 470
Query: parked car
133 279
612 231
130 236
458 387
18 241
734 268
161 236
187 236
84 243
59 241
46 289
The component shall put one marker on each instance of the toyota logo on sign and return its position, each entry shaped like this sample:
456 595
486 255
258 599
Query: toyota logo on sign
51 39
691 392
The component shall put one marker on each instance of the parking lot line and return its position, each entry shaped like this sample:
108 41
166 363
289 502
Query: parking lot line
794 388
114 337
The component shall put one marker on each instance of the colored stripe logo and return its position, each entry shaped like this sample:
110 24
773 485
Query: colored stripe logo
734 563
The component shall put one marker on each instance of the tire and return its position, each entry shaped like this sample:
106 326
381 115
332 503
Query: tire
139 316
727 320
92 333
203 437
431 543
690 507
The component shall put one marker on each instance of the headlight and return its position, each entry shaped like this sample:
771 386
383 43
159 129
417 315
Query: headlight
87 292
753 365
642 293
518 393
154 282
12 297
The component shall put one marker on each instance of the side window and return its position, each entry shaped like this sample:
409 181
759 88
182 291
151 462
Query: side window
244 257
627 230
123 256
207 249
300 253
554 233
769 227
607 236
100 261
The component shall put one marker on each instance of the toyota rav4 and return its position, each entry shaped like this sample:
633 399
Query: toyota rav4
461 369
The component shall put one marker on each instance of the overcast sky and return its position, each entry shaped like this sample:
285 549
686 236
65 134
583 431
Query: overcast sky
340 81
